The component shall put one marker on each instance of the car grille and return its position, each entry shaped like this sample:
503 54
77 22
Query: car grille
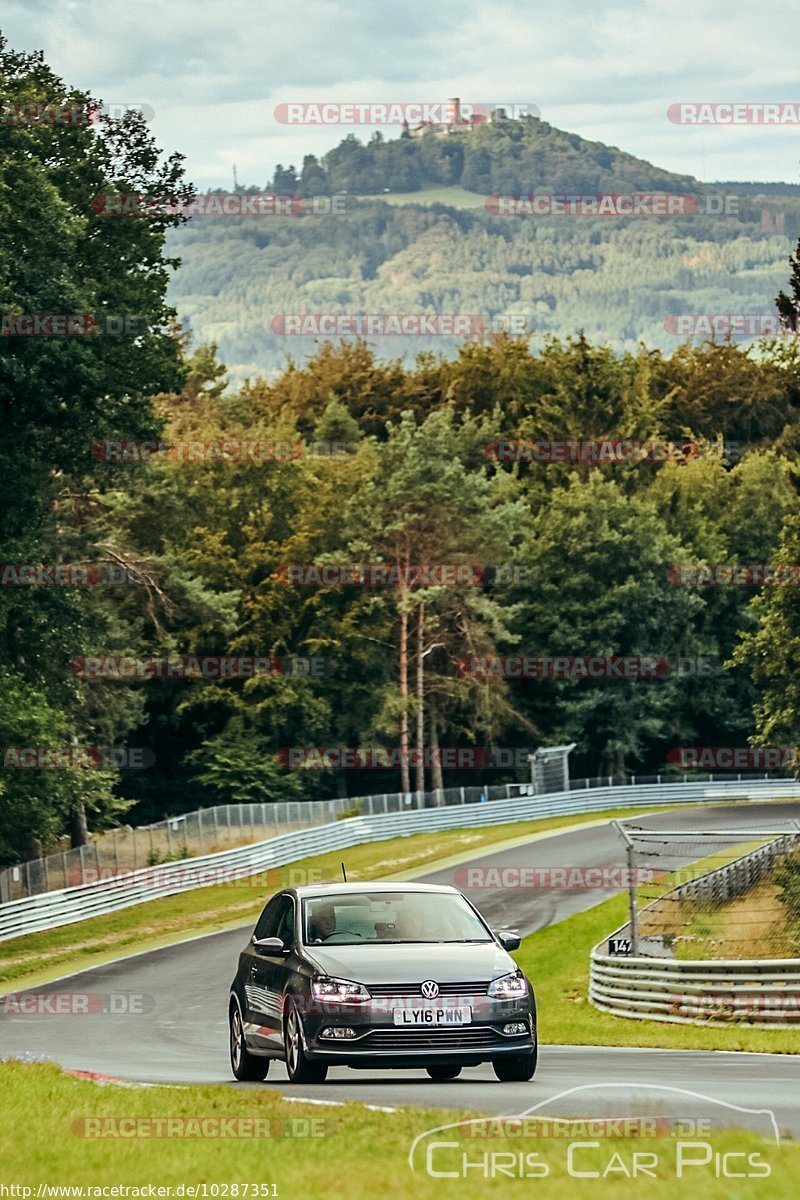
461 988
463 1037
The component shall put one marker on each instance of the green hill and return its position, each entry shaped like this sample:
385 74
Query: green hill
430 246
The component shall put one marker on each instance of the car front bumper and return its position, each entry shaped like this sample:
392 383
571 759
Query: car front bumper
378 1041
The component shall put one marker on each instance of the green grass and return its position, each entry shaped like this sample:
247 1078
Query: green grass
557 962
455 197
362 1154
38 957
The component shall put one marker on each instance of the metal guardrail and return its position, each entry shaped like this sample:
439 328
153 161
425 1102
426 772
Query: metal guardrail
209 830
759 993
68 905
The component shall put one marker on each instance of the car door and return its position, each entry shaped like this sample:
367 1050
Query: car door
269 972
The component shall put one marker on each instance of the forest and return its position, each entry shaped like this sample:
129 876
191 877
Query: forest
152 510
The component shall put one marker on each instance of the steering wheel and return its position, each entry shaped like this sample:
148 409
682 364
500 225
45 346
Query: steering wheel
339 932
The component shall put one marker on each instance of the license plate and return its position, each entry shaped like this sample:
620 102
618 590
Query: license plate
433 1016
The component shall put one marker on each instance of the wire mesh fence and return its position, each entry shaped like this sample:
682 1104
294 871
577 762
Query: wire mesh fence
205 831
712 894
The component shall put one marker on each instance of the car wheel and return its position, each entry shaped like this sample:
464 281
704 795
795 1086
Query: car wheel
443 1074
245 1066
516 1068
298 1067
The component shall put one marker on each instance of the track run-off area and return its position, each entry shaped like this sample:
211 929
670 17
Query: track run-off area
182 1034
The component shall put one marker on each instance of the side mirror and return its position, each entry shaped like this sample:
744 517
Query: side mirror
270 945
508 940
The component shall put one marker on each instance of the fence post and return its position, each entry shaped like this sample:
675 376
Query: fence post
463 797
632 904
632 898
116 852
200 829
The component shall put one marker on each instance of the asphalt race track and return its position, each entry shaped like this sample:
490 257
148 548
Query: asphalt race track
182 1035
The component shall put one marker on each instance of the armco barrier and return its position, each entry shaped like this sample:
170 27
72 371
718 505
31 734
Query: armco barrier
760 993
64 907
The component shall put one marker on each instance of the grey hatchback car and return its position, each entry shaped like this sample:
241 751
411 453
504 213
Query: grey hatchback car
379 975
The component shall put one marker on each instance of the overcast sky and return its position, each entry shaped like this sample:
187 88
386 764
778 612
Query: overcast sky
214 70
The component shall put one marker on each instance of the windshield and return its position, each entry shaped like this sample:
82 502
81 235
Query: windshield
390 917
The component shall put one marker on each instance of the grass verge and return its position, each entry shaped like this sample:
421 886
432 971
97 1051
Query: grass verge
556 960
45 1115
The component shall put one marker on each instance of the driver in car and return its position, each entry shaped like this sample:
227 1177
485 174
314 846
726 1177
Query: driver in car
413 925
322 924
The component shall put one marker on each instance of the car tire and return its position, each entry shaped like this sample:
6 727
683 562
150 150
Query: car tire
443 1074
516 1068
246 1067
298 1067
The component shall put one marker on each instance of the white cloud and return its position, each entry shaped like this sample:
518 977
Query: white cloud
214 72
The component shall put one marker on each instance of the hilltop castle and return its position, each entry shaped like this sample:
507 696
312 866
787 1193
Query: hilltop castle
455 121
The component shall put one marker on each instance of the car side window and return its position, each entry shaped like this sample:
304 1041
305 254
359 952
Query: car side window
285 927
267 925
277 920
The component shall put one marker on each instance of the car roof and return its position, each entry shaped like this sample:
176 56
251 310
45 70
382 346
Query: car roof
307 891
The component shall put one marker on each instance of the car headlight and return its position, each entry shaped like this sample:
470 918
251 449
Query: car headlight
509 987
326 988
